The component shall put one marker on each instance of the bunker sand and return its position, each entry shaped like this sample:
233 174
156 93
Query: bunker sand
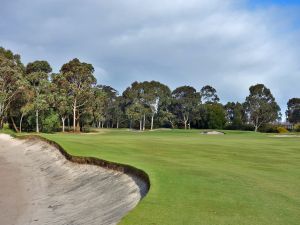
39 186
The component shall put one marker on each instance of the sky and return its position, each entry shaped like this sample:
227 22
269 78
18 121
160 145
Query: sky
229 44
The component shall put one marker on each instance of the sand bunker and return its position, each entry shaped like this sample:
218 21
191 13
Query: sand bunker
212 133
285 136
39 186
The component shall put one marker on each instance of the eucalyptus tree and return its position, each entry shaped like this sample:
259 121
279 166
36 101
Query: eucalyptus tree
135 102
11 80
98 106
135 112
293 110
20 107
185 100
166 116
235 115
155 94
208 94
261 106
37 74
117 111
79 82
216 118
61 98
111 95
150 96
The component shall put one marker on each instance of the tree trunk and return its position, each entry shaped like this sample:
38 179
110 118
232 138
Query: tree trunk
130 124
63 123
152 118
69 123
1 122
21 120
37 121
141 124
74 117
144 121
172 124
189 125
256 125
117 124
14 124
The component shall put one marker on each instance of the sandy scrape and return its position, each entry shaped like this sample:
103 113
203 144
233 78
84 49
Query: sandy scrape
39 186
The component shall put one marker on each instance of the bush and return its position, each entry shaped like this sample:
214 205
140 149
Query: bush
268 128
297 127
248 127
282 130
51 123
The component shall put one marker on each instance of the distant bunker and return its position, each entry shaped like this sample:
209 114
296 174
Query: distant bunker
212 133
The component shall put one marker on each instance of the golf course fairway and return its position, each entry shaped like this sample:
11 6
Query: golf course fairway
240 178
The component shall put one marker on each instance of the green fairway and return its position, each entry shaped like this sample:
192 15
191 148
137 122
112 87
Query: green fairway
237 178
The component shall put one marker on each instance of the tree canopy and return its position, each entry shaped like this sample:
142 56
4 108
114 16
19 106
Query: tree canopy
261 106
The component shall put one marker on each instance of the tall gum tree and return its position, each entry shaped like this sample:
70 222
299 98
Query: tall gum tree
61 98
209 95
37 74
11 80
185 100
135 103
293 110
79 82
155 93
261 106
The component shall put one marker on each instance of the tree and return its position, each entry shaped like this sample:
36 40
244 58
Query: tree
155 94
98 106
109 103
61 98
117 110
235 115
38 66
185 100
135 112
11 80
216 116
21 106
209 95
37 74
261 106
79 82
135 102
293 110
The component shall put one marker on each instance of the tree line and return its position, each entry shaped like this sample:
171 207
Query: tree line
32 98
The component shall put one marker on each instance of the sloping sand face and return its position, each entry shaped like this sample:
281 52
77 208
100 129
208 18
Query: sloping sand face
39 186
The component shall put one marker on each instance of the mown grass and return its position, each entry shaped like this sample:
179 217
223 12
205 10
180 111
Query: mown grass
238 178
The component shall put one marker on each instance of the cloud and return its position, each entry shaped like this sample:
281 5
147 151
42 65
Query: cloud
225 43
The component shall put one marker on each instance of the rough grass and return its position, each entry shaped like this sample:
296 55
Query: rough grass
239 178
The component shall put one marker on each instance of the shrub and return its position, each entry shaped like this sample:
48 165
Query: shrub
51 123
248 127
282 130
297 127
268 128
